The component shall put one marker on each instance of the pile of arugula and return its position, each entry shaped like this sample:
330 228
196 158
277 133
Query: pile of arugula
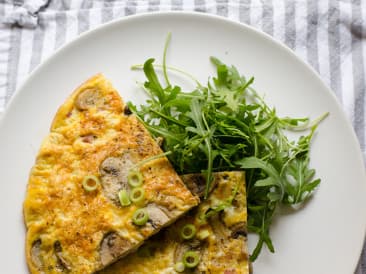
226 125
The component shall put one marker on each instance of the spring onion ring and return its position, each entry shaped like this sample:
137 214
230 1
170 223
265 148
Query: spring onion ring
134 178
123 198
90 183
190 259
140 217
203 234
188 232
137 195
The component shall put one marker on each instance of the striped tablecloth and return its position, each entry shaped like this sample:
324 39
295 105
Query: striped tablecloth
330 35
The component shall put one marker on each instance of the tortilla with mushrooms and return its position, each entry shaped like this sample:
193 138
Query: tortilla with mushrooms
74 218
219 242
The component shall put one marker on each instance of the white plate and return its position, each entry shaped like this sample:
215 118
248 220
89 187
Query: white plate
326 236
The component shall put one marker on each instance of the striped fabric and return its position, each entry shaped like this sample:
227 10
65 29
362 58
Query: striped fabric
330 35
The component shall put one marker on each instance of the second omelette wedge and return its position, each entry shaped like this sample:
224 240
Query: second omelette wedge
210 238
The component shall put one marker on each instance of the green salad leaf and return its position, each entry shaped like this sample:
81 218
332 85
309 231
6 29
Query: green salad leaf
225 125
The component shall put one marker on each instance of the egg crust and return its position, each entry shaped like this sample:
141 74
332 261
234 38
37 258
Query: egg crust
73 228
220 239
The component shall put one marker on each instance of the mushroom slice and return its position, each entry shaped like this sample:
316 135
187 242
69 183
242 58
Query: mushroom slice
157 215
195 244
239 229
88 98
114 171
63 264
196 183
220 230
36 254
111 166
179 251
112 247
182 248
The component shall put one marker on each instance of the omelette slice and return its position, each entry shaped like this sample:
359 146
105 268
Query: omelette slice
211 238
99 187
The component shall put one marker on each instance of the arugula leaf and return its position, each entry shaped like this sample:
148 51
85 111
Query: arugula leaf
226 125
201 129
153 84
299 183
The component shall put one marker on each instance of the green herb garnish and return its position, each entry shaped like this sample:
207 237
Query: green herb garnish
124 200
137 195
226 125
90 183
191 259
135 178
140 217
188 232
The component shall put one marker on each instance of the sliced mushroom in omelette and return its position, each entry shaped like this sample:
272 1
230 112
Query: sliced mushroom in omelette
99 187
211 238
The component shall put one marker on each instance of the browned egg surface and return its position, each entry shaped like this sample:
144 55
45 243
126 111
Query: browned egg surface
72 230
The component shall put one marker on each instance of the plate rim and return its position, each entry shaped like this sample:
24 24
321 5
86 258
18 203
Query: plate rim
206 16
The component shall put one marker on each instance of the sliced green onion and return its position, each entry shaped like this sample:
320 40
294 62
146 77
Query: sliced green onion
191 259
140 217
203 234
134 178
188 232
137 195
212 211
123 197
179 267
90 183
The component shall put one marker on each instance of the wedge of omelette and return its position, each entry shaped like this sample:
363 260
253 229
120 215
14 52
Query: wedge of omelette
99 187
211 238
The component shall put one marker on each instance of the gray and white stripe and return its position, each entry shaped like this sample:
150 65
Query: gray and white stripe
330 35
359 85
334 47
312 34
4 55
